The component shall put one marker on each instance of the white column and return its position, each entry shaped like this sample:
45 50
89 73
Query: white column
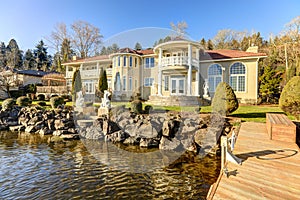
197 85
159 72
98 70
189 79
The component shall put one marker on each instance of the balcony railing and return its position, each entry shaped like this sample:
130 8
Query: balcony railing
89 73
178 61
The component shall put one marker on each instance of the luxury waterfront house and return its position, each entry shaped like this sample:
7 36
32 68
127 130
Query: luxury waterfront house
178 72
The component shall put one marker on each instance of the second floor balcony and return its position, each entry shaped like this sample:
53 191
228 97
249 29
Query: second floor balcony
178 61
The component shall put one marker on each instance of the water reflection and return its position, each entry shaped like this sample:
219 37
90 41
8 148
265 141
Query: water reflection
32 168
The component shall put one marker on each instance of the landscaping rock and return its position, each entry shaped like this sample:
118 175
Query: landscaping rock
30 129
149 143
118 136
17 128
169 144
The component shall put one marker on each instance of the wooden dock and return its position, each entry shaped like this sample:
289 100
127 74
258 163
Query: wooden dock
270 169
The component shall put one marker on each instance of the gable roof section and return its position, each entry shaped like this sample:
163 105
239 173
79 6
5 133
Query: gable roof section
32 72
89 59
220 54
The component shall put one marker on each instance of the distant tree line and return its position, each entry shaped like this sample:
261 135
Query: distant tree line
14 58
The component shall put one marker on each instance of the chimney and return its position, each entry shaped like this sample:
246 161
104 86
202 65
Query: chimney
252 49
74 58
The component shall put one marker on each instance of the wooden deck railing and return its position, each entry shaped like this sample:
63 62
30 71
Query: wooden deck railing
52 89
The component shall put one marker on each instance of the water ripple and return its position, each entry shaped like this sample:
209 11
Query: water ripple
33 169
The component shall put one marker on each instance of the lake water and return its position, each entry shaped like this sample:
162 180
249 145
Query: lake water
32 168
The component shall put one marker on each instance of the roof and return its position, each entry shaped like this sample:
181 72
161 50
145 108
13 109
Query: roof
228 54
207 55
90 59
32 72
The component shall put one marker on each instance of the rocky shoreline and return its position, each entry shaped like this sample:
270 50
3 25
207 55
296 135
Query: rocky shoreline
163 130
36 120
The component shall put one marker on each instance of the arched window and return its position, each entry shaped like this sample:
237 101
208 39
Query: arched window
214 76
238 77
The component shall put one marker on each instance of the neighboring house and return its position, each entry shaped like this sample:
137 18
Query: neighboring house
173 73
27 77
17 79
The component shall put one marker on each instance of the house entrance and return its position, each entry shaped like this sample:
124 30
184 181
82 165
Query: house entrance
177 85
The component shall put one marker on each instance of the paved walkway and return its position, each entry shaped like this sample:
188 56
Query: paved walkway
270 170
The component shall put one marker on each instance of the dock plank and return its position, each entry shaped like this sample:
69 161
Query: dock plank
270 170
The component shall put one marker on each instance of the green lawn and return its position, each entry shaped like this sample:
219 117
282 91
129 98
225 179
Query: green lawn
256 113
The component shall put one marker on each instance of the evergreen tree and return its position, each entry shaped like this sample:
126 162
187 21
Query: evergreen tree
203 43
3 59
269 84
290 97
41 56
103 51
102 85
138 46
14 55
66 50
210 45
224 101
76 84
29 61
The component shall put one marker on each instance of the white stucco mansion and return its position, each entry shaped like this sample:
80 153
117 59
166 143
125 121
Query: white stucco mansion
171 73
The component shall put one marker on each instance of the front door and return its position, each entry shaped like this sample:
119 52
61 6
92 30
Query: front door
178 85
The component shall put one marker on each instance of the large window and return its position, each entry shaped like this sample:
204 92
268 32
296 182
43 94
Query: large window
130 61
149 62
89 87
238 77
119 61
124 61
214 76
166 83
124 82
130 84
148 81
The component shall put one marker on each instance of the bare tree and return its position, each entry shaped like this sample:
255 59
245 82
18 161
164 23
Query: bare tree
8 79
58 35
292 29
86 38
179 29
226 38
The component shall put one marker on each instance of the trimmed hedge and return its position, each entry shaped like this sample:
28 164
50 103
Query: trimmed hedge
290 97
7 104
224 101
41 97
41 103
23 101
136 106
56 101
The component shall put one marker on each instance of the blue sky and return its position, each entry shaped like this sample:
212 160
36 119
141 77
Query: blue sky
29 21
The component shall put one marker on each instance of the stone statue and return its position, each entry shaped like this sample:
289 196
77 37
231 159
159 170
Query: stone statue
79 100
154 88
205 88
105 103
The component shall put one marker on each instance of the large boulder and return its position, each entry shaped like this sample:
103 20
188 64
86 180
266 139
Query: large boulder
169 144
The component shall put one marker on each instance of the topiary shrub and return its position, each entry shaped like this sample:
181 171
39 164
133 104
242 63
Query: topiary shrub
56 101
7 104
290 97
148 109
41 103
136 106
224 101
41 97
23 101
